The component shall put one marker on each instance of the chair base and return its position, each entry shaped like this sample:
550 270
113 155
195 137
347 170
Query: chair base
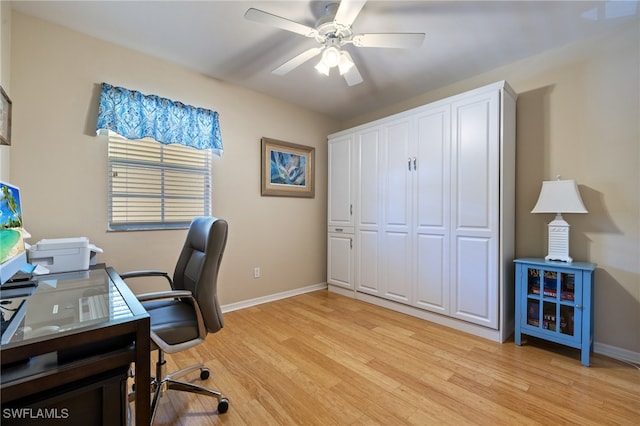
164 382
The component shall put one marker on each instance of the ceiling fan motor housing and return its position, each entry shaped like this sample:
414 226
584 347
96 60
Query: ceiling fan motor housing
328 31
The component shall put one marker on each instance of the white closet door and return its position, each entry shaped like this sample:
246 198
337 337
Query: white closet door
475 208
367 210
432 193
398 156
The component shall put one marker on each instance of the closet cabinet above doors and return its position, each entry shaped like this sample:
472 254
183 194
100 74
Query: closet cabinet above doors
432 197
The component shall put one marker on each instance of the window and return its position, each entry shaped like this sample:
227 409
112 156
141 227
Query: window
156 186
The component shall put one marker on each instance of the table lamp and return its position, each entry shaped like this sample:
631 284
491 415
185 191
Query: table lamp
559 196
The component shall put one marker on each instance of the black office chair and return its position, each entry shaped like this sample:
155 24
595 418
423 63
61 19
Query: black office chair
182 317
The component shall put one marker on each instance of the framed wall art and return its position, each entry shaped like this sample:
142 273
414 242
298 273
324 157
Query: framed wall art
287 169
5 115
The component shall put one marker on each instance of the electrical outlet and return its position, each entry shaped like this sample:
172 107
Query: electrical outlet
256 272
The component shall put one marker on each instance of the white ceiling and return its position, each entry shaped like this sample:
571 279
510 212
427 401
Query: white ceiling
463 38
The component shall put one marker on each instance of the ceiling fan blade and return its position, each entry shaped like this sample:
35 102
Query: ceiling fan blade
348 11
353 77
393 40
297 61
262 17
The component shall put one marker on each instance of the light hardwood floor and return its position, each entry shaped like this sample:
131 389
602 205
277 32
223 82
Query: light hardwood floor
324 359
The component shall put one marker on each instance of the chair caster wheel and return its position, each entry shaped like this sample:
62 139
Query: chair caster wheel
204 374
223 405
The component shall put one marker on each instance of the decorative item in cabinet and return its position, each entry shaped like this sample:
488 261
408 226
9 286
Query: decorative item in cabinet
554 301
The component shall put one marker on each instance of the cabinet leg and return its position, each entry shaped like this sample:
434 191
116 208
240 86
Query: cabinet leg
584 356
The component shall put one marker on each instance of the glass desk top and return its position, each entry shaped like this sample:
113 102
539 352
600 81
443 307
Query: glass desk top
61 304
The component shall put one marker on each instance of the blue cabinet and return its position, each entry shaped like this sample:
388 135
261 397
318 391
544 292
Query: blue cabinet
554 301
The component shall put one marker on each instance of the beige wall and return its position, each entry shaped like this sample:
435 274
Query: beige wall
578 115
5 77
61 166
578 112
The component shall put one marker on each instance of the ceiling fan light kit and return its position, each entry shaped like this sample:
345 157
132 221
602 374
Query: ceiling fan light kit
331 56
332 32
346 63
322 68
334 57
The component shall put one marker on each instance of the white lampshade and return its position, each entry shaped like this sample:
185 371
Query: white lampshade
322 68
331 56
559 196
346 63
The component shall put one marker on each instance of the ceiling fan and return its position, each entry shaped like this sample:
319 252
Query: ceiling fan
332 32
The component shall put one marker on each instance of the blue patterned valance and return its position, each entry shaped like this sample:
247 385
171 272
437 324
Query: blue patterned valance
134 116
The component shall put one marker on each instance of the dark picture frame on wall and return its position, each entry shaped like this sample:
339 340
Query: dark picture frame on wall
5 115
287 169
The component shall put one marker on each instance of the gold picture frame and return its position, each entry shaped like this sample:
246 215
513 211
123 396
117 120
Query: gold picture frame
287 169
5 118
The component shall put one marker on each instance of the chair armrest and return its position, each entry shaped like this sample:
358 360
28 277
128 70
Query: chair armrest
147 273
170 294
144 273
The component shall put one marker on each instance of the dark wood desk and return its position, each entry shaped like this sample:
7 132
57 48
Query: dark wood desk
58 349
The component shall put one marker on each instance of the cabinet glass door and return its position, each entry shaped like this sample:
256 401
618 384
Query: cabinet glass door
533 297
567 299
551 301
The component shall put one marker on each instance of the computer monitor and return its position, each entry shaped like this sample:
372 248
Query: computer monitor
13 256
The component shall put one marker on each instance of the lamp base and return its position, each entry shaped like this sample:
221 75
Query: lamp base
556 258
559 240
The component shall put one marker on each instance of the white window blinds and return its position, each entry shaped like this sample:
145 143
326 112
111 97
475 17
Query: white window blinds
156 186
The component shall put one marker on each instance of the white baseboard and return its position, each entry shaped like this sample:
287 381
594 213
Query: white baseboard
272 297
617 353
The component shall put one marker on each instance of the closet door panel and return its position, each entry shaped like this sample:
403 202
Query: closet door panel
432 289
340 260
367 261
339 176
397 255
368 180
432 169
474 153
398 166
475 299
475 174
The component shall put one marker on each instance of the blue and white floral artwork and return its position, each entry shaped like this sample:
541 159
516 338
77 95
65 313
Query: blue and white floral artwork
288 168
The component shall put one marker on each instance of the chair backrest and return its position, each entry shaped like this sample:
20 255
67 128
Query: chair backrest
198 265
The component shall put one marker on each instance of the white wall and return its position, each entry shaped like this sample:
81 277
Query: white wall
61 166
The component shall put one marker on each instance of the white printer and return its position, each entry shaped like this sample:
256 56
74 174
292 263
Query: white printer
63 254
